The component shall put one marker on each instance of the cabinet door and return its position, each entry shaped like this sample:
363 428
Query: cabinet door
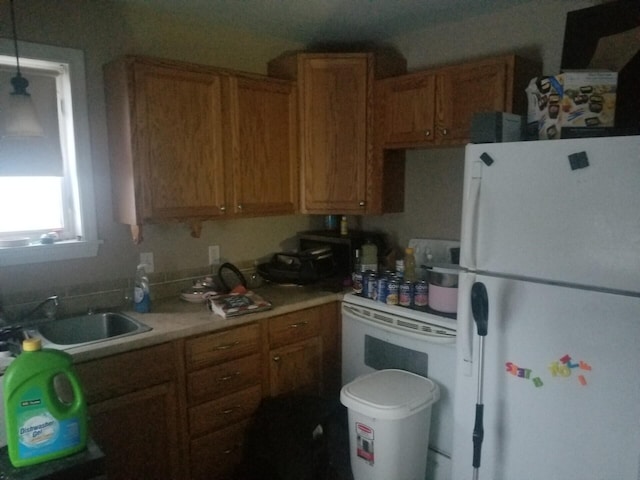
133 410
138 433
178 139
407 107
296 368
215 456
464 90
263 146
335 98
304 351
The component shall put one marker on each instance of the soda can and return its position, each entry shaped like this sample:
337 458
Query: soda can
421 294
370 285
405 296
381 291
393 286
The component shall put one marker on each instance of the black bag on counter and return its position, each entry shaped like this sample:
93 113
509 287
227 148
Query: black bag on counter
296 437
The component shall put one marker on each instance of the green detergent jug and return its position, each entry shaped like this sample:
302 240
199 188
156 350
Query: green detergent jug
45 409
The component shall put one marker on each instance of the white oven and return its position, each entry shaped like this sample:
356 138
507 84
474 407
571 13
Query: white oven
377 336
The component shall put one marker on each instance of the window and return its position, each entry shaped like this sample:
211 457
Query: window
46 184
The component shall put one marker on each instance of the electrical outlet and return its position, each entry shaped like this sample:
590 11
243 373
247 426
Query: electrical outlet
214 254
146 259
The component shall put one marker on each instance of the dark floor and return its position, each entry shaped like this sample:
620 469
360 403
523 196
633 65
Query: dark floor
285 444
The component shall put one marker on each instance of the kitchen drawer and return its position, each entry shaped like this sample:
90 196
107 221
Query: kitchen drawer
127 372
221 380
215 456
225 411
222 346
295 326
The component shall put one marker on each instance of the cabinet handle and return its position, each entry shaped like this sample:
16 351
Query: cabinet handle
226 346
427 133
233 448
444 131
299 324
226 378
276 358
223 208
362 203
230 410
239 206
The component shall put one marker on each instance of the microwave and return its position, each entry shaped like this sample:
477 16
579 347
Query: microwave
342 246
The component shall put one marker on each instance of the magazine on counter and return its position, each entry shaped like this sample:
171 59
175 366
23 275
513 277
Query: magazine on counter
234 304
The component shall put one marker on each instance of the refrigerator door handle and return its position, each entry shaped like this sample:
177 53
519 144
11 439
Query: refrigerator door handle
465 323
470 215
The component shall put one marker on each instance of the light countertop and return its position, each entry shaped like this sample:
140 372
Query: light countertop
173 318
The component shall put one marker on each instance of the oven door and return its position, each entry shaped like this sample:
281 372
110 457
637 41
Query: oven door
368 346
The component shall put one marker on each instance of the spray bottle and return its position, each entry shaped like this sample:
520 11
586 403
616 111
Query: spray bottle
141 291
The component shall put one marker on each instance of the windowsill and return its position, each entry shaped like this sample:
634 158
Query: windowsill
35 253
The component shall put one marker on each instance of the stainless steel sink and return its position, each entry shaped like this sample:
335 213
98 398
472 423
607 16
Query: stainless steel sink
90 328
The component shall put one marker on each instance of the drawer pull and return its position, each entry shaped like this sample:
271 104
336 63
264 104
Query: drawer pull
298 325
227 346
232 449
230 410
276 358
226 378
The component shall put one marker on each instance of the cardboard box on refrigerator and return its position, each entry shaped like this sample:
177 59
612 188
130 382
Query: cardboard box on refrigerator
575 98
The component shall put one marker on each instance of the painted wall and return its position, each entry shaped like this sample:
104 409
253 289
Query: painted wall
105 30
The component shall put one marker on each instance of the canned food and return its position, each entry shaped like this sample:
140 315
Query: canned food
405 294
381 291
357 283
393 287
421 294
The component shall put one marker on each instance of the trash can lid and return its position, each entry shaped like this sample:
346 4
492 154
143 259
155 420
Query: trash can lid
389 394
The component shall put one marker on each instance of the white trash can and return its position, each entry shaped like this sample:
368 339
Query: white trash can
389 415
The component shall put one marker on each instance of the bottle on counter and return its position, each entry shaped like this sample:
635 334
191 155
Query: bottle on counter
400 269
141 291
356 277
344 226
409 265
369 256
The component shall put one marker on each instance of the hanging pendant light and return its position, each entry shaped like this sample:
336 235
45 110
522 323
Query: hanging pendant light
21 119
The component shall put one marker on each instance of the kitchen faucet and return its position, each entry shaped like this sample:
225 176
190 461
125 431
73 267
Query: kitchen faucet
49 311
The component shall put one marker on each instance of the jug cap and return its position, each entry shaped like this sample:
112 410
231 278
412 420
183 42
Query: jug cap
31 345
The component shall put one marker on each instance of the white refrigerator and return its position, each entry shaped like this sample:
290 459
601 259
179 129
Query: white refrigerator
552 231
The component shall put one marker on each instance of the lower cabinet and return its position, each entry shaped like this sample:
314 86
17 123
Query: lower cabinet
133 412
223 390
181 409
304 351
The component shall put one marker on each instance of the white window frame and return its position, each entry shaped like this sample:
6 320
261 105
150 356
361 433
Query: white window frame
82 182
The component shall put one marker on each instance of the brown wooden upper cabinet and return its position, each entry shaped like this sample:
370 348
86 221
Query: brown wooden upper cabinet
192 143
435 106
263 146
335 105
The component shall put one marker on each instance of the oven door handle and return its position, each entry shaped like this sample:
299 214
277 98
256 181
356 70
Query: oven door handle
385 322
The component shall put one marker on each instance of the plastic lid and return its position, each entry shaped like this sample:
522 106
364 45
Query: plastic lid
31 345
390 394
